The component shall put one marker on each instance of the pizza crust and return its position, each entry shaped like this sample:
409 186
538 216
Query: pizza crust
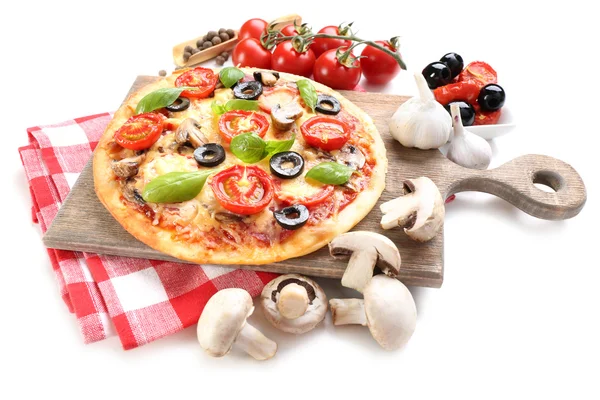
308 240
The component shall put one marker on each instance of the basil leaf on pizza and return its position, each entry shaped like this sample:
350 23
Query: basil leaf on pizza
308 93
331 173
158 99
229 76
234 104
248 147
278 146
175 187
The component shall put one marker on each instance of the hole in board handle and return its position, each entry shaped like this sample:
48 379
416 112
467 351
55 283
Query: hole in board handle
548 181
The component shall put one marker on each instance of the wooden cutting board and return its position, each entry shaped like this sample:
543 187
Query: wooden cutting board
83 224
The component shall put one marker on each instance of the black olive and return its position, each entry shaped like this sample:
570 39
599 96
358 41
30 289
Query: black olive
287 164
292 217
437 74
248 90
209 155
328 105
467 112
454 62
491 97
180 104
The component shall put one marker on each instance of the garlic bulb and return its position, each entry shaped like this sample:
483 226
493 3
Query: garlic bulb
421 122
467 149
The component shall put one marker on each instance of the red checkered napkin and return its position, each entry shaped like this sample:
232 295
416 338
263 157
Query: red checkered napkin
140 300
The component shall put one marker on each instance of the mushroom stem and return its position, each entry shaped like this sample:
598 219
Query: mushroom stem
407 205
293 301
348 311
357 274
253 342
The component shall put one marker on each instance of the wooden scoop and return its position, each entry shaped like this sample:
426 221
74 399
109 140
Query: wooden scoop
215 50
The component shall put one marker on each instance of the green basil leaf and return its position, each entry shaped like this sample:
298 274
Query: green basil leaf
330 173
308 93
277 146
217 108
158 99
175 187
239 104
230 76
248 147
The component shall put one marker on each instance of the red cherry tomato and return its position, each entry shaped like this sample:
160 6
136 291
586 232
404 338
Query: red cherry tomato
243 190
378 67
311 200
140 131
466 91
253 28
287 59
486 117
203 79
289 30
326 133
321 45
250 53
236 122
281 95
479 72
329 71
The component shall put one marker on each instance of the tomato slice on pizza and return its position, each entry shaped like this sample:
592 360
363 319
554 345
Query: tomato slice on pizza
243 190
236 122
203 81
140 131
326 133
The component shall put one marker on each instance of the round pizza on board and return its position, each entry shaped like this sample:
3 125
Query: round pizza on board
272 167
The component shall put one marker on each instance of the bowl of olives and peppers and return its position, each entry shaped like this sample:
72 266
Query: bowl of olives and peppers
473 87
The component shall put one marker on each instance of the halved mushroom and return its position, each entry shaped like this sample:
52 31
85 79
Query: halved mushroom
130 192
293 303
189 132
350 156
223 322
420 211
267 78
284 117
366 249
127 167
388 309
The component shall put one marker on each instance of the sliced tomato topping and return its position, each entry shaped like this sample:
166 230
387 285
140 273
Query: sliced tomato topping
281 95
326 133
236 122
243 190
313 197
202 79
479 72
140 131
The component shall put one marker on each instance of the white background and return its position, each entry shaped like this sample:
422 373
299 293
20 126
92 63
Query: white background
517 316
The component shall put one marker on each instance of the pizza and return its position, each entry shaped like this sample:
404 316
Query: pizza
262 169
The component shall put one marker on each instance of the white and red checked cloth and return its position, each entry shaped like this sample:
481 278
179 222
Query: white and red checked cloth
140 300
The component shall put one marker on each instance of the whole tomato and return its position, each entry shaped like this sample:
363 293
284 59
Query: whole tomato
253 28
321 45
287 59
378 67
335 74
250 53
289 30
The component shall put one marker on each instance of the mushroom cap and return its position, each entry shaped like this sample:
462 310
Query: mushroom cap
390 310
222 319
315 313
388 256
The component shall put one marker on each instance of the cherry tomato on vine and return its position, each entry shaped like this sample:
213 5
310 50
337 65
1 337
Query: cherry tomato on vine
250 53
140 131
379 67
331 72
289 30
326 133
287 59
253 28
243 190
321 45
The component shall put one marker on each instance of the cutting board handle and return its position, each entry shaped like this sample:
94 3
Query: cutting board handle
514 182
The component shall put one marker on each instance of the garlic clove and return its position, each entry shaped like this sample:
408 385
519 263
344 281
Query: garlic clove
421 122
467 149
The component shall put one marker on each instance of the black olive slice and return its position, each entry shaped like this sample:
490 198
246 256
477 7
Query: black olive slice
209 155
328 105
292 217
180 104
287 164
248 90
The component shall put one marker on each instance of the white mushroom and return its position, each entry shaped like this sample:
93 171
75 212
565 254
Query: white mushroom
420 211
283 117
388 310
293 303
127 167
189 132
366 249
223 322
350 155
